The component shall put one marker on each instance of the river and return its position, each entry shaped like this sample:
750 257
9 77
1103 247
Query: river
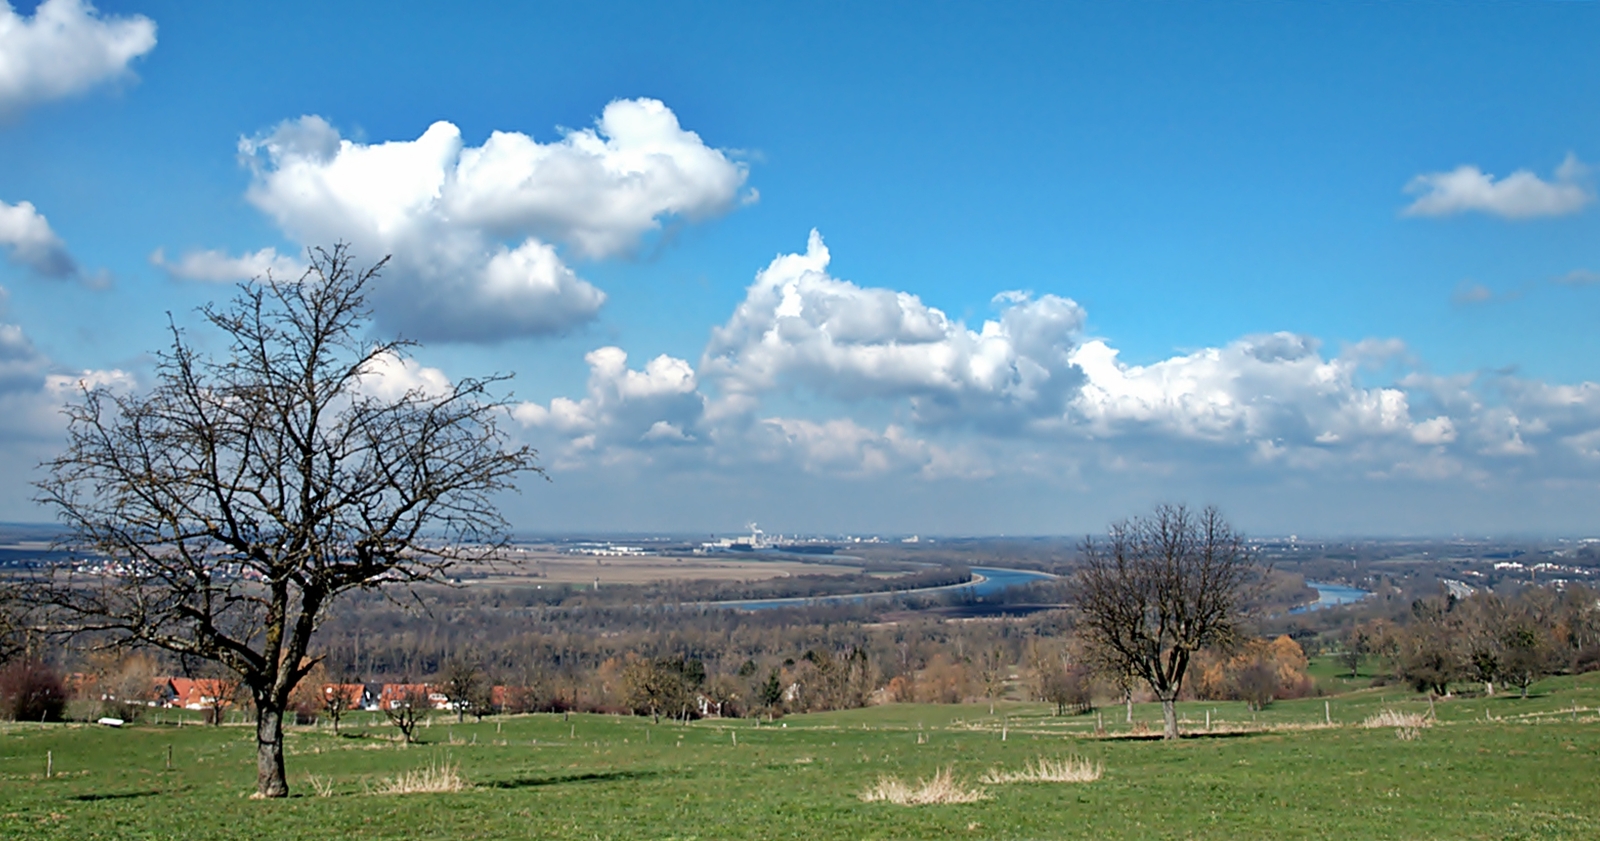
985 581
1331 595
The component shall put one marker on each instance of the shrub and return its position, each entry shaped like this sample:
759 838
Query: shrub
1068 686
901 690
1258 673
31 691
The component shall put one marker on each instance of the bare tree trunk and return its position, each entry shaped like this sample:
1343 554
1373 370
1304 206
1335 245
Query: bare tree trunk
1129 699
270 778
1169 713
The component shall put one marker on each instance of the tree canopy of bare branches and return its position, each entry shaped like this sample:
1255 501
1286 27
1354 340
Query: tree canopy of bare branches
12 639
227 506
1161 588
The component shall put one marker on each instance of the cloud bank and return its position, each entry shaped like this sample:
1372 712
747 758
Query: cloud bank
478 233
65 48
1027 393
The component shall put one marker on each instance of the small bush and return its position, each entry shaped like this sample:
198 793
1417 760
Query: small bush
1072 769
942 787
31 691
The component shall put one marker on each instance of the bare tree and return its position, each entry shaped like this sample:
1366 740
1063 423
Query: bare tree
1257 683
992 672
657 686
408 708
1479 632
464 685
1162 588
1357 645
337 698
1067 685
126 686
219 694
1528 653
1426 655
235 499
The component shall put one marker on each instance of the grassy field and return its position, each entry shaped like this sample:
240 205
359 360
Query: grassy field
1488 768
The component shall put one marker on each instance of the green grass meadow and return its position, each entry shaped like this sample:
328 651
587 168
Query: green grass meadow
1490 768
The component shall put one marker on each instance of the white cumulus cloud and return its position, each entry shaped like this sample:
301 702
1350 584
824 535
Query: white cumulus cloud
1520 195
29 241
64 48
799 326
1272 387
474 231
219 267
389 376
624 408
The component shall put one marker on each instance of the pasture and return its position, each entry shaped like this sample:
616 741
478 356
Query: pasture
1484 768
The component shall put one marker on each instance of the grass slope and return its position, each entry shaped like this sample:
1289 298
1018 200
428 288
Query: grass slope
1490 768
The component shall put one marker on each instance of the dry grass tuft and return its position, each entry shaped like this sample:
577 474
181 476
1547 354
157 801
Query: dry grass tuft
1395 718
1072 769
1407 726
323 786
434 779
942 787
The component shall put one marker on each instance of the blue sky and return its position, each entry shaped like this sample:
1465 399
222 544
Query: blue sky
1332 266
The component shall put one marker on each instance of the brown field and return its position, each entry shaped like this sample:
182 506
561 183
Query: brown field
541 566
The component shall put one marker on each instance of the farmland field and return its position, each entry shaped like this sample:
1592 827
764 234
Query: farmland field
549 566
1486 768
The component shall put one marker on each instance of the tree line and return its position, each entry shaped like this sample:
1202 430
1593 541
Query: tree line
1486 639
